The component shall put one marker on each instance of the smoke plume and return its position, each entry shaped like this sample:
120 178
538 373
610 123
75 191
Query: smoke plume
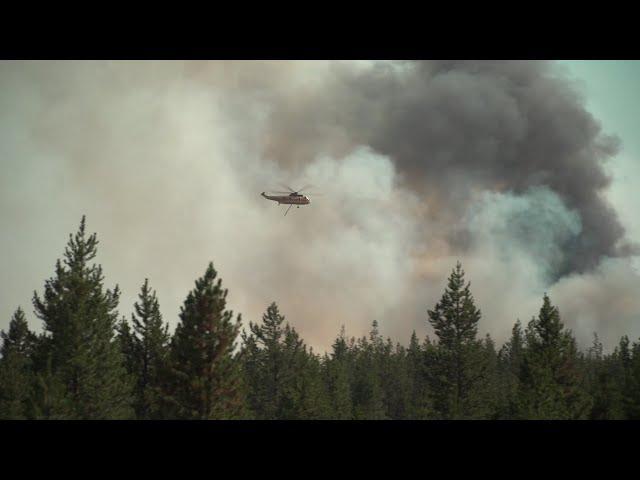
421 164
457 128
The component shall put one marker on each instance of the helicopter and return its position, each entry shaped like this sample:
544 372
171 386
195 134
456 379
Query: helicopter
291 197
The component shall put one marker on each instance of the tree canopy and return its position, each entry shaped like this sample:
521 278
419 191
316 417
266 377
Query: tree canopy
89 362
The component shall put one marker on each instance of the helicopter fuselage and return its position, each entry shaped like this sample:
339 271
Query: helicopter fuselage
292 199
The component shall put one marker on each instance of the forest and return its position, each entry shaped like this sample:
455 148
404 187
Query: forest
89 363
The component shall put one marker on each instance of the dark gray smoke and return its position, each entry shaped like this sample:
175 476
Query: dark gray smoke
454 128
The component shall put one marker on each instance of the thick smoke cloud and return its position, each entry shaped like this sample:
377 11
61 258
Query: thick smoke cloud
456 128
496 164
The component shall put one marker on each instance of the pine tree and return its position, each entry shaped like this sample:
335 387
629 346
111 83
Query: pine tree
512 351
459 367
601 379
312 402
283 378
127 347
267 371
293 353
19 338
431 370
149 349
632 396
204 377
509 365
82 355
626 377
415 365
16 369
490 392
338 378
396 383
551 386
368 394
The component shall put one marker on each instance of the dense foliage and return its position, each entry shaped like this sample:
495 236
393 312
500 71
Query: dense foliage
87 364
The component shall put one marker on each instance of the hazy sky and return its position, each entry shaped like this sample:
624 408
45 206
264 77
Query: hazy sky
613 96
524 171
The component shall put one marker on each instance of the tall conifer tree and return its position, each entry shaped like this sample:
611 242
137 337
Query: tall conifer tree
204 378
415 360
338 378
509 365
82 355
150 348
283 377
490 392
459 366
311 399
267 369
368 394
601 379
551 385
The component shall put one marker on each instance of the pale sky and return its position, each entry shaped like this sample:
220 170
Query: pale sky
612 89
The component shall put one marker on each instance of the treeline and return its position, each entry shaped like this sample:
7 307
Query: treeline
90 364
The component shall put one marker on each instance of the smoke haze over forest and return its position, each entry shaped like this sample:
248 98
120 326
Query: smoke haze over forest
500 165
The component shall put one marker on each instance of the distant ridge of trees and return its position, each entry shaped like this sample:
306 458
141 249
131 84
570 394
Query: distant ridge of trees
90 364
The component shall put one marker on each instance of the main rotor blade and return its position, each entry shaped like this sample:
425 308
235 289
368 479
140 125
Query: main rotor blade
291 190
303 188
